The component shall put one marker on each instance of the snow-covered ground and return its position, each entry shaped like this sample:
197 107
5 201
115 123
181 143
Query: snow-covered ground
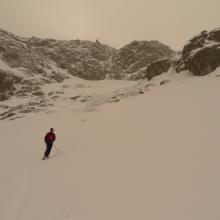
154 156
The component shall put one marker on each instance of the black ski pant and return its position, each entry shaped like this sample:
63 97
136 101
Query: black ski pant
49 147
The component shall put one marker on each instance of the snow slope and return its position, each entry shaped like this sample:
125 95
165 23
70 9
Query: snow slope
155 156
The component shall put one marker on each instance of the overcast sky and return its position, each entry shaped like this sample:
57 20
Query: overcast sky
113 22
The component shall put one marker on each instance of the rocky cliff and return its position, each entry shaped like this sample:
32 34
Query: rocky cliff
85 59
139 54
201 55
31 62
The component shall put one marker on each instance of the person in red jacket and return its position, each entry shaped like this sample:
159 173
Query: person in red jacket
49 138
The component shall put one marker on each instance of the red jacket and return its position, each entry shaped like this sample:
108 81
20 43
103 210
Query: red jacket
50 137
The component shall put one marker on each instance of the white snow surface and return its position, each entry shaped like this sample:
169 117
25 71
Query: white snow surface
154 156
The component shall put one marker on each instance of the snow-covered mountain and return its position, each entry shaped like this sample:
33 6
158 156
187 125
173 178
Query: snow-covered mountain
85 59
146 149
39 74
29 65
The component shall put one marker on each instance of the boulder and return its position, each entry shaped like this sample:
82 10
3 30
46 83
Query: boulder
204 61
158 67
201 55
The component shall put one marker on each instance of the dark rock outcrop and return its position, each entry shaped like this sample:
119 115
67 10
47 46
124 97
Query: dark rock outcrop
178 63
7 84
204 61
201 55
158 67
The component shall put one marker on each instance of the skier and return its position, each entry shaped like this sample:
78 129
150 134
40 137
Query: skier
49 138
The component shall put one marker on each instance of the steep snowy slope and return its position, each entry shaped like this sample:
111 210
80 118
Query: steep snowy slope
155 156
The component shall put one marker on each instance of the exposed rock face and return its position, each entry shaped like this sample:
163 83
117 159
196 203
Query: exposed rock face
7 84
40 61
90 69
158 67
139 54
140 74
204 61
84 59
201 55
178 63
214 35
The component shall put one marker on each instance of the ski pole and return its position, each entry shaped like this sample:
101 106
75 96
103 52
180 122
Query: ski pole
58 151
